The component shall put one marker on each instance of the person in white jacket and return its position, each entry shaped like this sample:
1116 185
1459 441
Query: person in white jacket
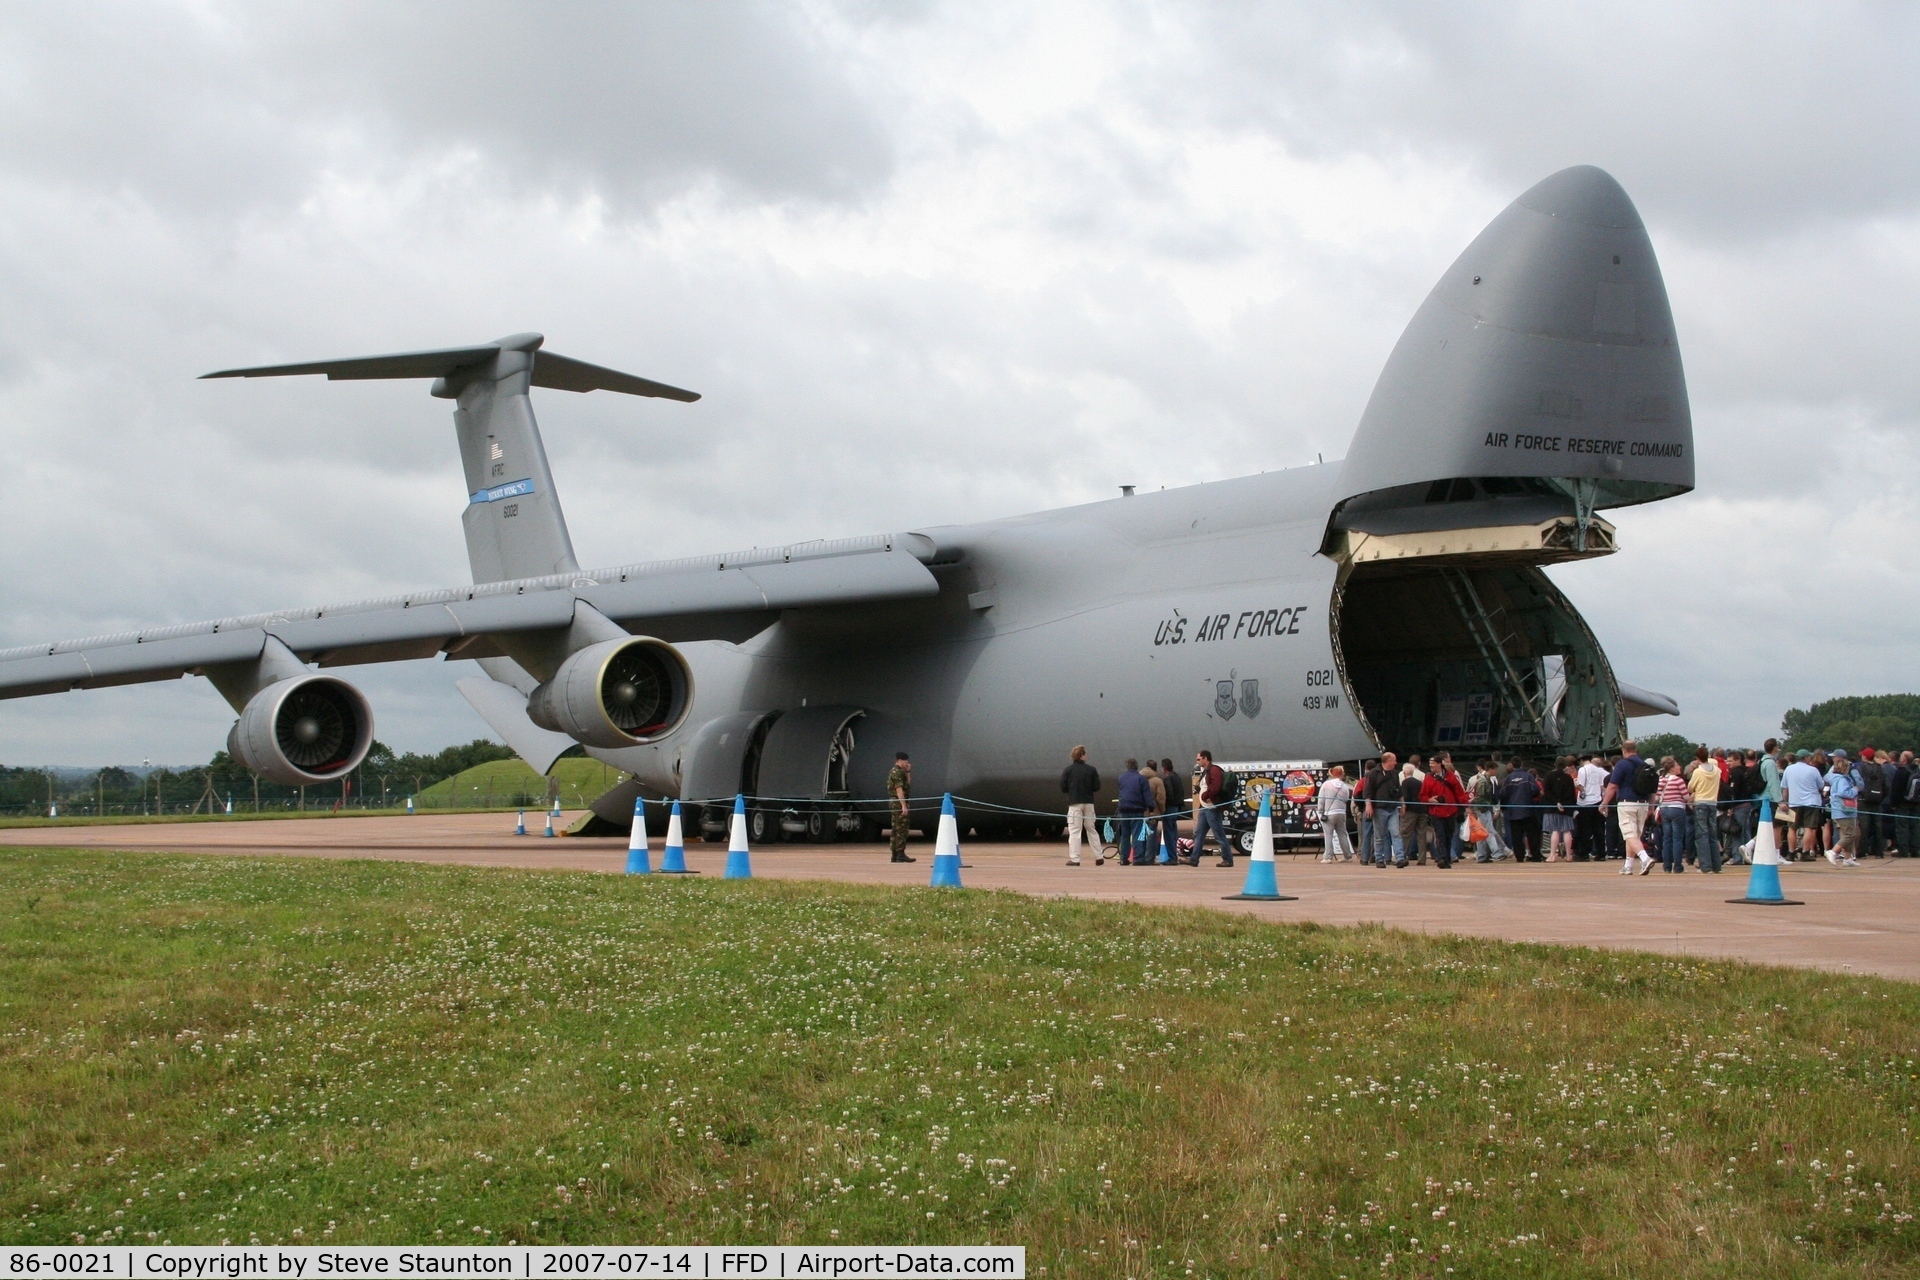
1336 793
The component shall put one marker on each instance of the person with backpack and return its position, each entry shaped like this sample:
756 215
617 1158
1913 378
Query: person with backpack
1873 803
1560 790
1629 787
1444 795
1212 792
1519 799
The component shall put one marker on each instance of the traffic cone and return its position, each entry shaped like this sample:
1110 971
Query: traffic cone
739 862
673 858
549 831
409 806
1763 881
946 848
1261 886
520 824
556 808
638 863
229 805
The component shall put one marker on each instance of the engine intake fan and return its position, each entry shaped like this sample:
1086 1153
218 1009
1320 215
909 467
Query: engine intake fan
303 730
617 693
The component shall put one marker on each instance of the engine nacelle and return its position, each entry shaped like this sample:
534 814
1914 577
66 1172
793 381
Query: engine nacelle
303 730
618 693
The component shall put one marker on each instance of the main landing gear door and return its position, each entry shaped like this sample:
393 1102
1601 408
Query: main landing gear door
717 764
807 754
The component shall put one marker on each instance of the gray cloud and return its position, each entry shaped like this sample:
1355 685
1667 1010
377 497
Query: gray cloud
229 107
1733 118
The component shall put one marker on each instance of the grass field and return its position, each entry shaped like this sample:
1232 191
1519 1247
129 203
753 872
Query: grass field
203 1049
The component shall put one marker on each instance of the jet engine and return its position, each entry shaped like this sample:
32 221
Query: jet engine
617 693
303 730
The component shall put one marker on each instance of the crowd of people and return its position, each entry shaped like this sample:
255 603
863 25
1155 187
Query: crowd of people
1698 813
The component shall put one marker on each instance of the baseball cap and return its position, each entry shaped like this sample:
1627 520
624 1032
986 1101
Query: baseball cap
1866 753
1837 754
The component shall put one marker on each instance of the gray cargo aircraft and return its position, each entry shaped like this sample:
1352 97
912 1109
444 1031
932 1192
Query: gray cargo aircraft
1392 599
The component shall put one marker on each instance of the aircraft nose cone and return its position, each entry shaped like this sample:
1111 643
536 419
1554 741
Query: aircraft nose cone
1546 352
1582 194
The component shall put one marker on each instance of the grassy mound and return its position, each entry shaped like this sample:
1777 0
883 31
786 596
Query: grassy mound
202 1049
500 784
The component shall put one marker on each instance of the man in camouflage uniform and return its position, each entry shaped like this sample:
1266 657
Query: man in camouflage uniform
899 783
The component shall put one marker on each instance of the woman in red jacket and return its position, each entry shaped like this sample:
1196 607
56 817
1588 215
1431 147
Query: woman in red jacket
1444 795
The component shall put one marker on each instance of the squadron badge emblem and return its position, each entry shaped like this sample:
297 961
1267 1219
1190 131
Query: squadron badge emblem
1223 703
1250 697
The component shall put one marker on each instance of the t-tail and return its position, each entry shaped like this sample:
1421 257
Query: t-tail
513 521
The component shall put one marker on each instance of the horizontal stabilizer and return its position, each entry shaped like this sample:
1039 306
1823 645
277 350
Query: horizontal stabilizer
401 364
1645 702
562 373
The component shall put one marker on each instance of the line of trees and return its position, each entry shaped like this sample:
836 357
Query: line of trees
1886 722
383 778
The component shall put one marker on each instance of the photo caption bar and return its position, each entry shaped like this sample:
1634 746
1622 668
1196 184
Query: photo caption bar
529 1262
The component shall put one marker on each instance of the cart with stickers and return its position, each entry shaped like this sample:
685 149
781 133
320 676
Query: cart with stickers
1295 785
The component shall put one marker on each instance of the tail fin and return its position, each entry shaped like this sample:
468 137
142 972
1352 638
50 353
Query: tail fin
513 522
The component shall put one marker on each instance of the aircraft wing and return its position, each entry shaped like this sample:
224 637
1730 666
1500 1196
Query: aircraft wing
731 596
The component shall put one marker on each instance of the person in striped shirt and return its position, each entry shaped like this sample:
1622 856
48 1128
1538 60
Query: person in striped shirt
1671 798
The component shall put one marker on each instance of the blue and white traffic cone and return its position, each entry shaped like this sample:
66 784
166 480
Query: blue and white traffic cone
549 831
1261 885
229 806
739 862
673 858
946 848
638 863
520 824
556 808
409 806
1763 881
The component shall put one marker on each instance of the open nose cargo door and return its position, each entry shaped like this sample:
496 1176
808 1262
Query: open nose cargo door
1539 383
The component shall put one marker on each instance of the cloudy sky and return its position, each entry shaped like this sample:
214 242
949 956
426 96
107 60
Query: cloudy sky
927 263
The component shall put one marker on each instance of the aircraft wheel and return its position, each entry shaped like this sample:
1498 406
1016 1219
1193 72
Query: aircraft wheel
820 825
763 826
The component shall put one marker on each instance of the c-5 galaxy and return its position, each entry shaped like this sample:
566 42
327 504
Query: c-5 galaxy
1391 599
